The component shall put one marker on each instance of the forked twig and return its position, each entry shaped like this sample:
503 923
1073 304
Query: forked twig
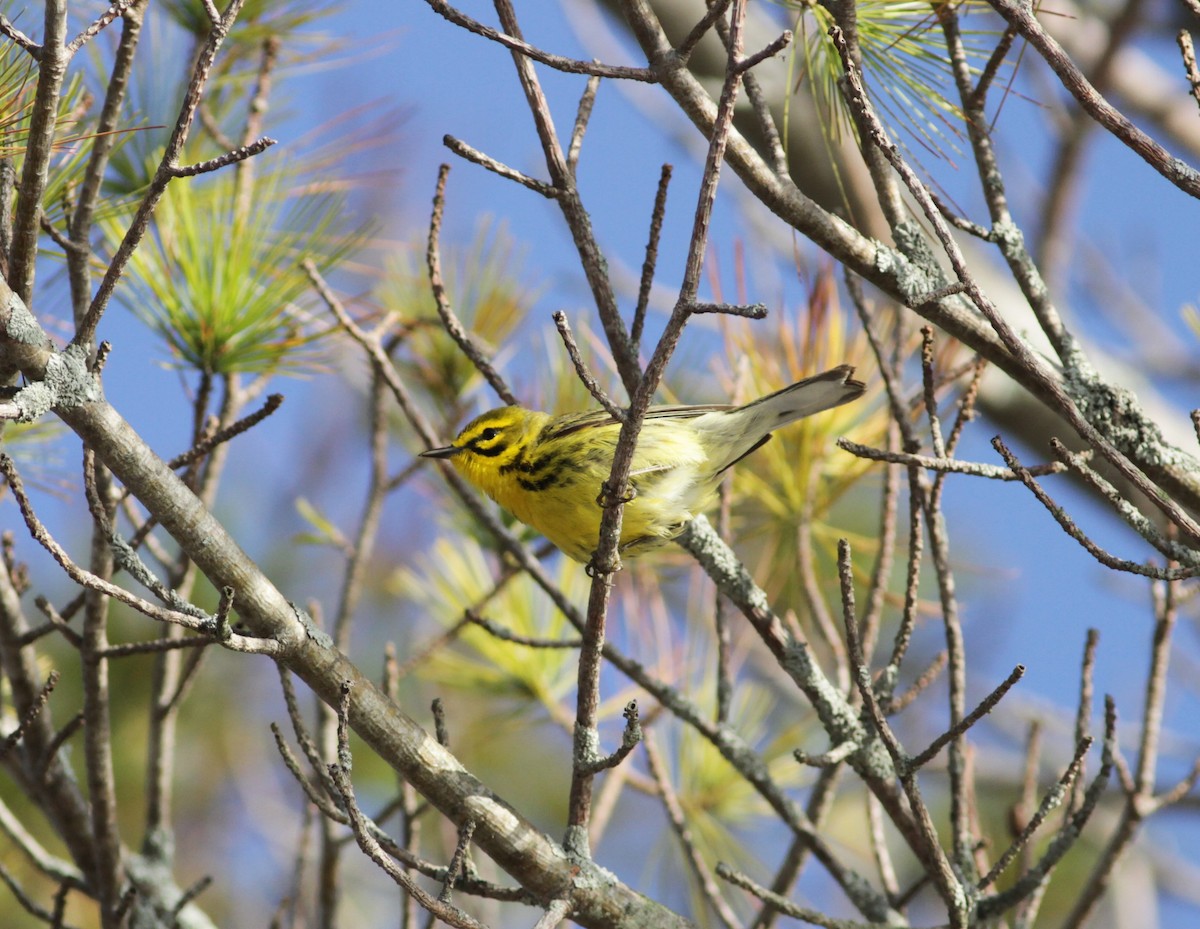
455 328
339 773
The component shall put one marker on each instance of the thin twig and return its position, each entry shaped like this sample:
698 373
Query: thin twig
834 756
992 67
1123 507
154 646
1053 799
881 569
788 908
879 848
820 805
722 627
1104 113
1083 709
237 155
220 437
256 112
455 328
582 370
520 47
1184 39
57 621
1021 812
58 238
675 815
116 9
463 150
438 708
958 222
52 867
985 706
458 861
884 182
189 895
770 50
650 262
339 773
956 673
322 802
1182 788
20 38
927 380
1138 786
630 737
84 578
714 12
899 704
24 900
745 311
948 465
1067 836
61 737
810 584
582 114
38 144
929 848
507 635
354 571
18 732
1070 528
555 913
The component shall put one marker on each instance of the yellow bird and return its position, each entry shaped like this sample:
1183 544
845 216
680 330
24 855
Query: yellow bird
548 470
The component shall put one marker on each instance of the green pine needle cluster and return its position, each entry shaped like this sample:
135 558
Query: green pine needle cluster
904 63
221 284
18 82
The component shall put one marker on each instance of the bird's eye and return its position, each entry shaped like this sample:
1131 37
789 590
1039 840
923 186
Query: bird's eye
488 434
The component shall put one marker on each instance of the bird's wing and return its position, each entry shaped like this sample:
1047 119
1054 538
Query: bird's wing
573 422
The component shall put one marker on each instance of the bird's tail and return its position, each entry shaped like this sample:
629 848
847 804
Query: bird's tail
811 395
749 426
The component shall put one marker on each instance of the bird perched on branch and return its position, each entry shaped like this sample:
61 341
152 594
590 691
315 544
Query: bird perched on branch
548 471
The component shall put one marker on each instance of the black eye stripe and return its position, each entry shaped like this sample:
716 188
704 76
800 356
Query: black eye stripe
488 442
488 451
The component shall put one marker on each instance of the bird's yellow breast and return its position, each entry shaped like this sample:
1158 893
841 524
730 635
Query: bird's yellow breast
554 483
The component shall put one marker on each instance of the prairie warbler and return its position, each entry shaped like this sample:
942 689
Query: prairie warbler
548 470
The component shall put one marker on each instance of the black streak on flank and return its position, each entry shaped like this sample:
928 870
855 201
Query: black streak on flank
541 483
541 473
522 464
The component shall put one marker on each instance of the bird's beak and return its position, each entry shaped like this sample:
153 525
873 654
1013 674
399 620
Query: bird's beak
448 452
